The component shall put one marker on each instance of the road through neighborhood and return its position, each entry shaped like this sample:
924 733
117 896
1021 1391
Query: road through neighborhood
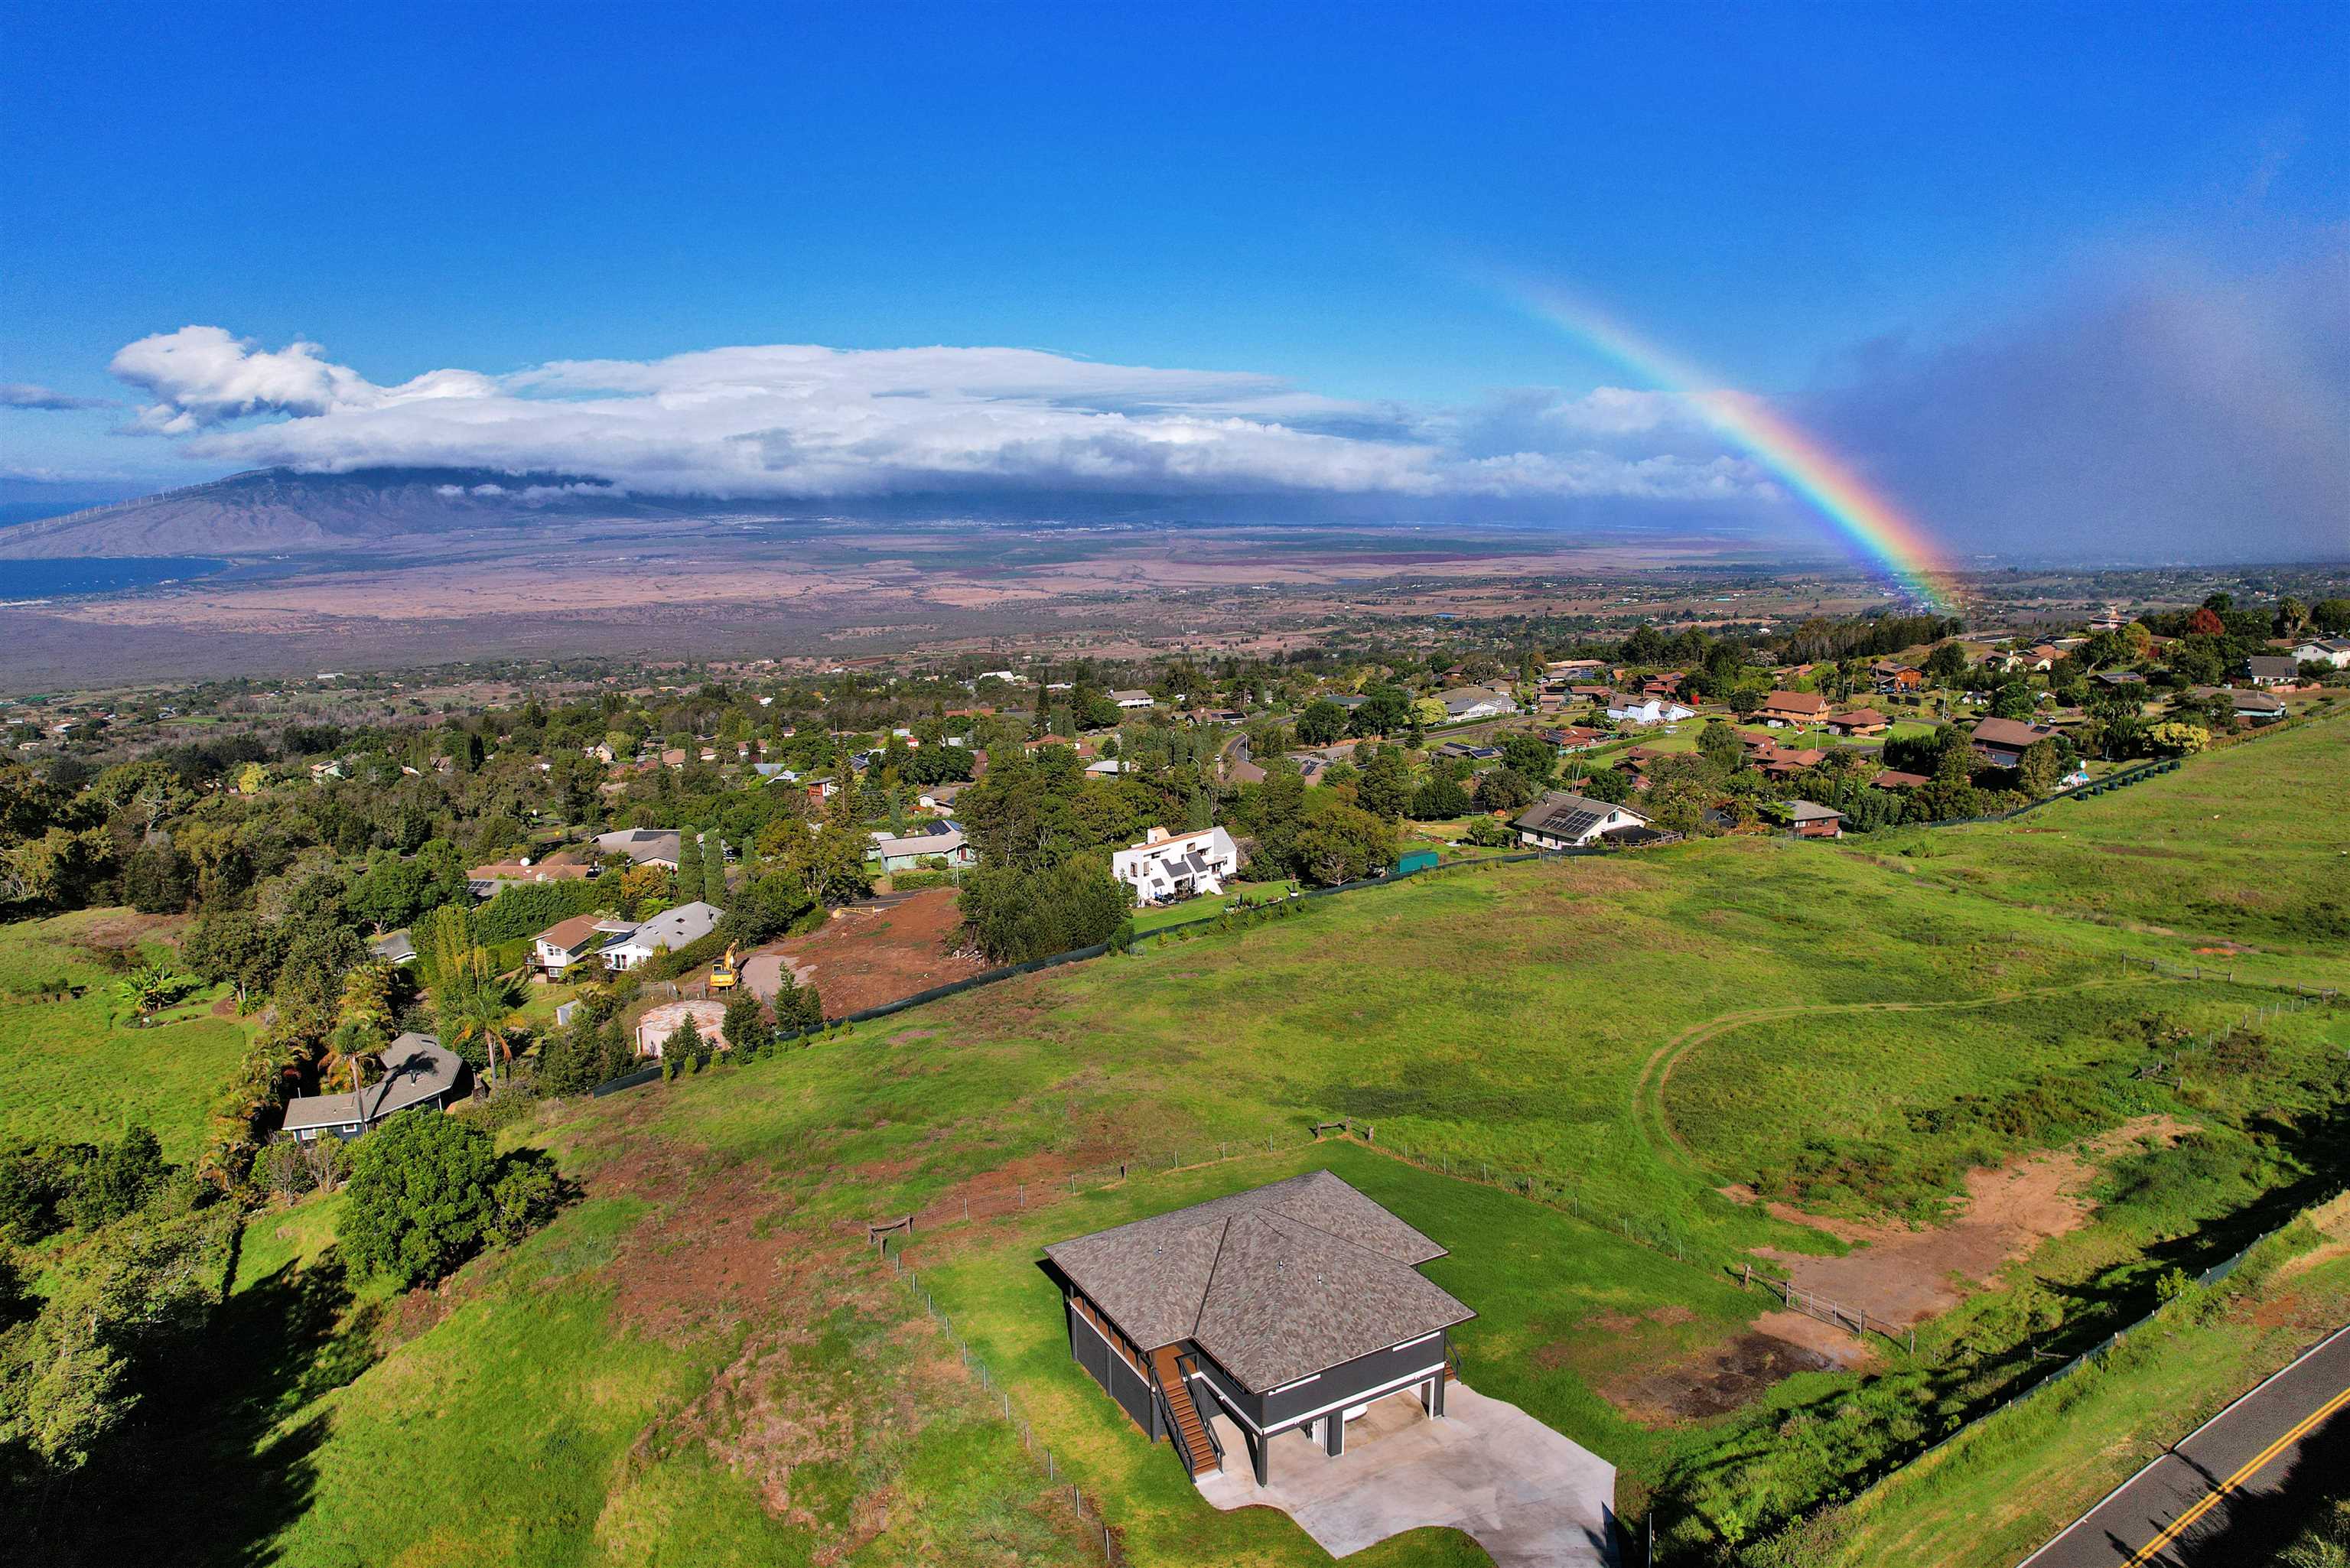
2157 1516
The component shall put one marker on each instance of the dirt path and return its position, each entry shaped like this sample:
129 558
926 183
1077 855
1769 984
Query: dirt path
1905 1276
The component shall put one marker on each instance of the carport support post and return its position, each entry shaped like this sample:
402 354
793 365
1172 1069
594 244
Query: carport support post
1333 1433
1259 1456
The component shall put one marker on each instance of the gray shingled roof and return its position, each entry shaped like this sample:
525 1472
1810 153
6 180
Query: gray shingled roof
1276 1282
415 1068
1559 815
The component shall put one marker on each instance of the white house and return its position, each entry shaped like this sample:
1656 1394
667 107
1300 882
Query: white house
1133 698
1108 767
1564 821
1476 702
1626 709
2332 651
665 932
1166 866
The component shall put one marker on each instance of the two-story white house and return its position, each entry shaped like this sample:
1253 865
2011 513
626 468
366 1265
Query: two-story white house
1166 866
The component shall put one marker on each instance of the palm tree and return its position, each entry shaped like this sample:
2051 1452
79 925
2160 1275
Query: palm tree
474 1003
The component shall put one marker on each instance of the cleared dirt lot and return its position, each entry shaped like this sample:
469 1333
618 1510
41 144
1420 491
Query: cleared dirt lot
870 953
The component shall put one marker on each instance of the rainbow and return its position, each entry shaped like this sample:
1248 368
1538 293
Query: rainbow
1892 542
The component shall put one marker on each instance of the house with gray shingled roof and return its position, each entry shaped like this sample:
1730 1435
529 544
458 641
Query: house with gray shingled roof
417 1070
1287 1306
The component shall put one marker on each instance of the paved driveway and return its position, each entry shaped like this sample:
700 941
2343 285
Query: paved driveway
1530 1498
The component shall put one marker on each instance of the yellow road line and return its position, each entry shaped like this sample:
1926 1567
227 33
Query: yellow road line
2251 1467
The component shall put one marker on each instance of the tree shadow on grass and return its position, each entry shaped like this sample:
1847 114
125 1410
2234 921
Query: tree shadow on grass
207 1473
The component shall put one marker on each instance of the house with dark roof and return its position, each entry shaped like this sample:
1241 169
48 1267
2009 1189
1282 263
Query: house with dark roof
1564 821
2002 741
418 1072
1294 1305
2265 670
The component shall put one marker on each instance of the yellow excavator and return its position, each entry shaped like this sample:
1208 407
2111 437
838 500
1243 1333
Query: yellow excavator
726 973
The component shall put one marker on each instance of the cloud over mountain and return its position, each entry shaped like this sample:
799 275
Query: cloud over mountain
805 420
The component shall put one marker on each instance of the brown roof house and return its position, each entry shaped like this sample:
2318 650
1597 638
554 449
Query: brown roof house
1859 722
1792 708
2002 741
1288 1306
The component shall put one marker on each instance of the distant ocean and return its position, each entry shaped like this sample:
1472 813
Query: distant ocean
98 574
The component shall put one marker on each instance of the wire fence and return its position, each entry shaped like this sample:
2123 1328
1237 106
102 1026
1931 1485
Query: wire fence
1062 1486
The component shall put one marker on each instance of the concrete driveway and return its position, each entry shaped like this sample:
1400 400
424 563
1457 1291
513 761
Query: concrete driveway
1530 1498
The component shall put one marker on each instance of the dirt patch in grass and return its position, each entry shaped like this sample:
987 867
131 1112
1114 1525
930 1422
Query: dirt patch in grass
714 1248
870 954
1721 1379
1905 1276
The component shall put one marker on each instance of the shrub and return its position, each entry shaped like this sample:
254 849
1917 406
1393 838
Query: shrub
419 1200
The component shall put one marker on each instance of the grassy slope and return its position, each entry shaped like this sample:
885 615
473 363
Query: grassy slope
69 1069
2249 843
1993 1496
1510 1014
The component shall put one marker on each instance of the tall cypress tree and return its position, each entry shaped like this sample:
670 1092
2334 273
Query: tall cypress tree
689 863
714 871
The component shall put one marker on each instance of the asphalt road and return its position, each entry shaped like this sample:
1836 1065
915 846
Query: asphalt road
2243 1452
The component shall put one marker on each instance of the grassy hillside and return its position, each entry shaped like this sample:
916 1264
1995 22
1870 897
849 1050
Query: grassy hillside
70 1066
701 1362
2251 844
1990 1498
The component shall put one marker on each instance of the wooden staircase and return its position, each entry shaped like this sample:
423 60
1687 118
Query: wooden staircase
1190 1433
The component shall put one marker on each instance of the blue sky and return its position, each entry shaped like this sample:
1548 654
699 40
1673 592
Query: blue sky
1801 198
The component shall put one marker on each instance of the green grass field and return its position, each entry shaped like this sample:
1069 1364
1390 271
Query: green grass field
73 1069
2251 844
621 1387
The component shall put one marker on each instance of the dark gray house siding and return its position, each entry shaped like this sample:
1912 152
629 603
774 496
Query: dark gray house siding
1112 1372
1341 1385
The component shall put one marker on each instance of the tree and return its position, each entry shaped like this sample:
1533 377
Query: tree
418 1201
1012 916
1385 788
1385 711
2041 766
155 880
2206 622
391 891
2330 617
713 872
1945 664
1531 757
1505 789
2292 615
684 1042
746 1027
472 1005
119 1181
689 862
2180 739
1321 722
1604 784
836 871
1439 799
1719 743
1339 843
152 987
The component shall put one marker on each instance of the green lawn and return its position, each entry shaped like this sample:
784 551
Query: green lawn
1203 909
73 1069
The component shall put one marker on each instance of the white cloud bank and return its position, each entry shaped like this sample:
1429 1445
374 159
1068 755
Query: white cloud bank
790 420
